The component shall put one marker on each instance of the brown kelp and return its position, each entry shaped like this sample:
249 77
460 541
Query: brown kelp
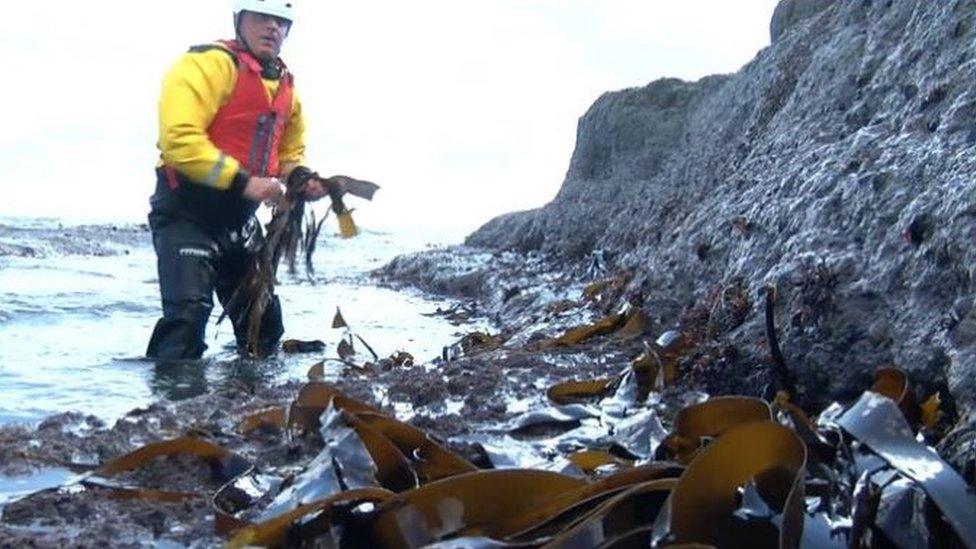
284 234
613 462
731 473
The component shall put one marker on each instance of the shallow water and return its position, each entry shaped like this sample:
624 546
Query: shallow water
73 328
13 488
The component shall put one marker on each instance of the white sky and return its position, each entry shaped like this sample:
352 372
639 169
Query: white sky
460 110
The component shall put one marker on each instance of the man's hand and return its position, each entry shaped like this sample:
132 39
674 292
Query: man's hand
316 188
264 189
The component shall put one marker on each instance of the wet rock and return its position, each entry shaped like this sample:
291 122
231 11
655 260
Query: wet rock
442 427
54 519
458 273
844 151
71 422
421 389
959 448
790 12
614 154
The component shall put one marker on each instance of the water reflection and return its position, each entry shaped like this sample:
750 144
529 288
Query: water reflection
246 373
179 379
182 379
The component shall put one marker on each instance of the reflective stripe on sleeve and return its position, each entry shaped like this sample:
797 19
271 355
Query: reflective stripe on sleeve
214 175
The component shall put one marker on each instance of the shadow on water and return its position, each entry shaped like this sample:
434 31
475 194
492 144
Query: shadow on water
247 373
179 380
182 379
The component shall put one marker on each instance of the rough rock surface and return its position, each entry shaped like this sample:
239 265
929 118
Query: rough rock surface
790 12
837 165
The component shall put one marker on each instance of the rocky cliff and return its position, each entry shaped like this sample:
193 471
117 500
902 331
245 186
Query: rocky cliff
837 165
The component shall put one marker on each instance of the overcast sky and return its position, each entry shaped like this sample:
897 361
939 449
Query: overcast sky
460 110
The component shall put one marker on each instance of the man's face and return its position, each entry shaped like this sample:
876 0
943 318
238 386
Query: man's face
264 34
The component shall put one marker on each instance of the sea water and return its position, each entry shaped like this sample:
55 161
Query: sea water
73 328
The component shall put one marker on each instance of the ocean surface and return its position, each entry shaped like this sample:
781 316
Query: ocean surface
74 326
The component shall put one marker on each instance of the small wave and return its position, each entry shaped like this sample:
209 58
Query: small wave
60 269
120 307
10 222
45 238
19 310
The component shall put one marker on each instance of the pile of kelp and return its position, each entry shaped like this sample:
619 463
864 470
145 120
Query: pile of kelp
596 467
732 471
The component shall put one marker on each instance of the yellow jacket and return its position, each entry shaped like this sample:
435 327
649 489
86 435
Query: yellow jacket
194 89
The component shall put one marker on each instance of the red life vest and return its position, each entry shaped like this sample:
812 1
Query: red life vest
250 126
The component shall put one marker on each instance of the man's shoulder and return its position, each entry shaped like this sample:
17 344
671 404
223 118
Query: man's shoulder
216 49
210 62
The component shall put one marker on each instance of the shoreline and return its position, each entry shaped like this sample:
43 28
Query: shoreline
455 401
468 402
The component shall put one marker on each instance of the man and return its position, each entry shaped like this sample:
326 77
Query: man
230 129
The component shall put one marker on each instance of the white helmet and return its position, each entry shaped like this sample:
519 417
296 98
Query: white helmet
284 9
